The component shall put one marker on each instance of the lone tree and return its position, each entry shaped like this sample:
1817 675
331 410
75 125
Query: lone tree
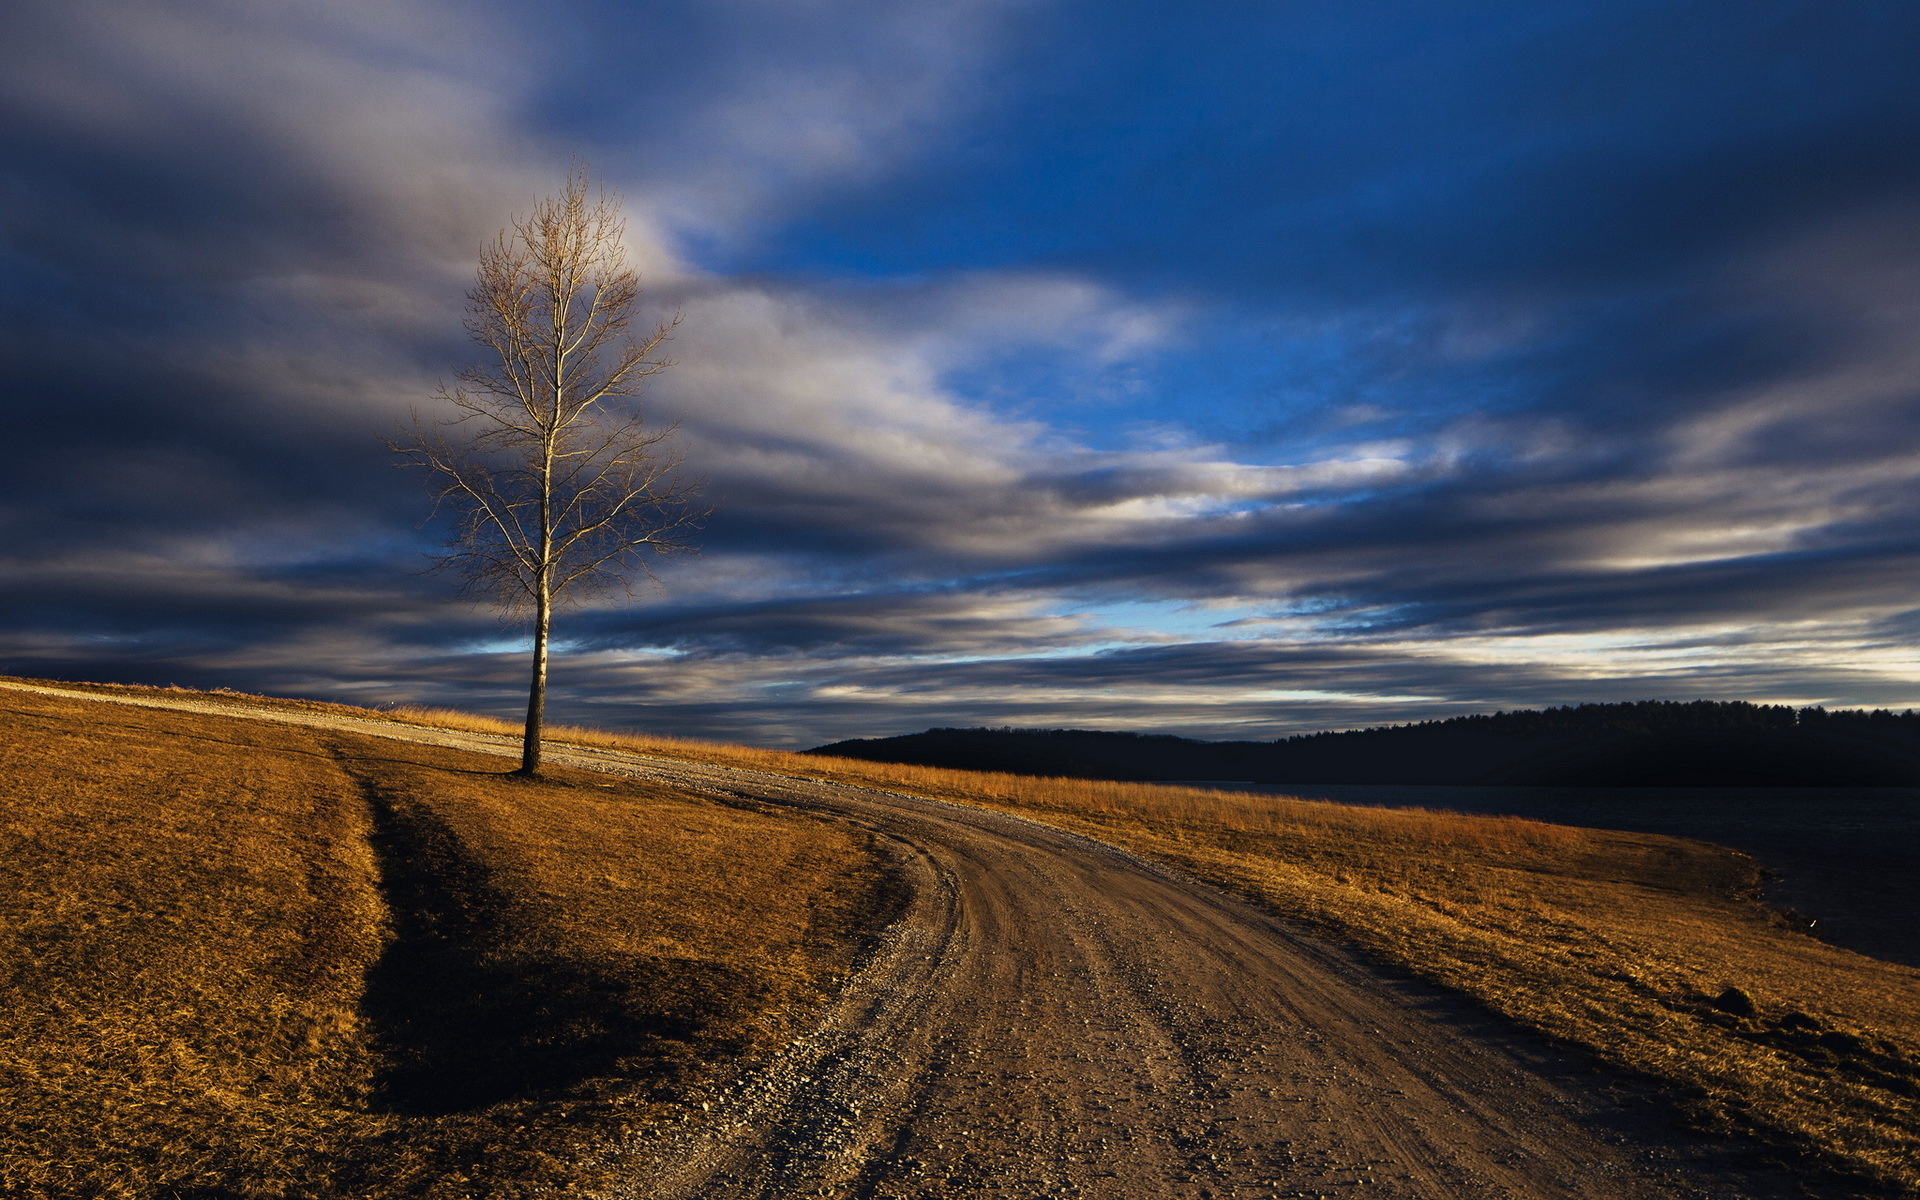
559 487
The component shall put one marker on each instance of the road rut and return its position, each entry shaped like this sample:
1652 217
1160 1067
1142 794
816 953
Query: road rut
1052 1017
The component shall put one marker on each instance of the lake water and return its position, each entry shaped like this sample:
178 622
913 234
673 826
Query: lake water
1848 858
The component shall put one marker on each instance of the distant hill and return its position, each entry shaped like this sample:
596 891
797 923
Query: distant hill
1649 743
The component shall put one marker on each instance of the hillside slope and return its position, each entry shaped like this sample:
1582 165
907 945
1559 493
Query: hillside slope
245 959
1098 1006
1652 743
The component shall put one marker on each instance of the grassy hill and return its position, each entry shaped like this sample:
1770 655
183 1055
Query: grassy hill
1648 743
229 942
242 959
1654 954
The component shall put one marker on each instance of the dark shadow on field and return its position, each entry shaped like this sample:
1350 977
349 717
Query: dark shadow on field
470 1009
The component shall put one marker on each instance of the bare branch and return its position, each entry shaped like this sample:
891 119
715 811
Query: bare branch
558 488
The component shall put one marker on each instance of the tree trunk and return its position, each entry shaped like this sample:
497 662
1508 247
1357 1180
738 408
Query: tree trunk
537 694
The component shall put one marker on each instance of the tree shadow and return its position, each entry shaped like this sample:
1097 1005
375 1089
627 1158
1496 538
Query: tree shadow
468 1013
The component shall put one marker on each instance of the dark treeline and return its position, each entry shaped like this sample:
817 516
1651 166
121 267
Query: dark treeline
1646 743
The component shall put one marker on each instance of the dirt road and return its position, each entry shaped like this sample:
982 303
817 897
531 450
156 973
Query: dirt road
1051 1017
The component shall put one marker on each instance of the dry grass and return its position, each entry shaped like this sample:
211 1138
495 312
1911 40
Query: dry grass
1617 942
240 959
1620 943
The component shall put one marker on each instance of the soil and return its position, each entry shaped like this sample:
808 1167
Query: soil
1049 1016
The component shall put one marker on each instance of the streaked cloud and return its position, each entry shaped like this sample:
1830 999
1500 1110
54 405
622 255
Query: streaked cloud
1049 364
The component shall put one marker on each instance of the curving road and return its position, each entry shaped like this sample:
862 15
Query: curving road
1052 1017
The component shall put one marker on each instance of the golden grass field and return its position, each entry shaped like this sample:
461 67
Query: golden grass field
1652 953
1620 943
243 959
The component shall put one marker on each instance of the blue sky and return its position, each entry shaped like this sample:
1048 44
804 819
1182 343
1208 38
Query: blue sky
1230 370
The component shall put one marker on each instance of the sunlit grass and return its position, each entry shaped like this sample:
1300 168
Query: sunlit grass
249 959
1645 950
1620 943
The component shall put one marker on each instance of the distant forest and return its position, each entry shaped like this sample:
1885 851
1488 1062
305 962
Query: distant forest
1643 744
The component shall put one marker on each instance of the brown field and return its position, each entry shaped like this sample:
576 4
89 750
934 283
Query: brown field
1653 953
241 959
1624 944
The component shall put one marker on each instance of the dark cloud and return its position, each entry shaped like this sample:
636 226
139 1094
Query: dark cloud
1049 364
1321 147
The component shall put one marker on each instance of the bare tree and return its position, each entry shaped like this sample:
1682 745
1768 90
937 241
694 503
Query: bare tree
559 487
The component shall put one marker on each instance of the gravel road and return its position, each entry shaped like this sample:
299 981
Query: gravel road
1052 1017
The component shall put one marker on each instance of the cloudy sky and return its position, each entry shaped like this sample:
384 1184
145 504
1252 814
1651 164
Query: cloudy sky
1226 369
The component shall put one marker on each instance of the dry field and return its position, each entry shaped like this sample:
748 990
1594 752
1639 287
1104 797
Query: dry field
242 959
1653 953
